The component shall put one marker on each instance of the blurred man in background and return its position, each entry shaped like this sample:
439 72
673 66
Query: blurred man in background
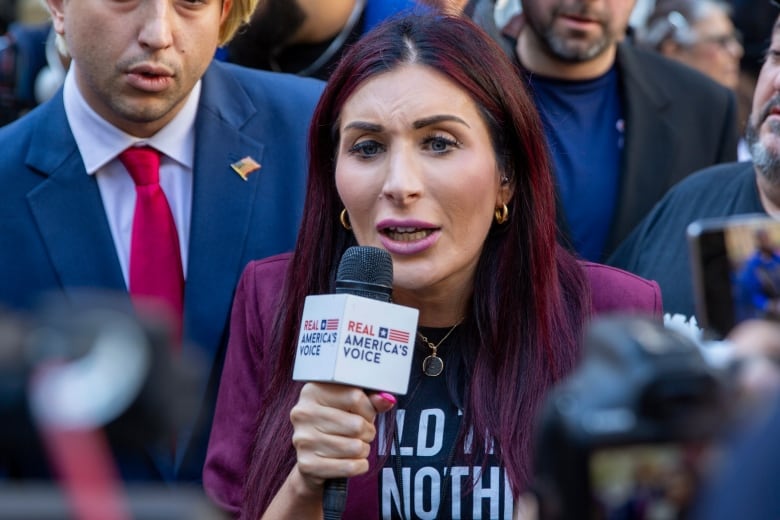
623 124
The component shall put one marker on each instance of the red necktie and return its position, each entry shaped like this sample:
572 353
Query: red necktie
156 275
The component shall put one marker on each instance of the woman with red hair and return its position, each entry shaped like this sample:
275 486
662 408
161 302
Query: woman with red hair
424 144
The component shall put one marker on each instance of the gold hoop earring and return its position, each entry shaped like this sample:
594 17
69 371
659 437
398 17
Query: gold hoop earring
344 218
502 214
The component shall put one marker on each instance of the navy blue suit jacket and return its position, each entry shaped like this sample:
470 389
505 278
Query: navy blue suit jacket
54 235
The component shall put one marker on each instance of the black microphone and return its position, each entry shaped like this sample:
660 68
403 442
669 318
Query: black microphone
367 272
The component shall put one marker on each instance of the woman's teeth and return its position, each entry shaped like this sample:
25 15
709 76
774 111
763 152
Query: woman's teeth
407 234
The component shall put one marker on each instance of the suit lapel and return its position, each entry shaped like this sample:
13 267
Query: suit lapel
68 210
651 144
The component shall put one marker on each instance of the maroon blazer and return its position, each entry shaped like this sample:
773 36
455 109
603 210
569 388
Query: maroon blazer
246 373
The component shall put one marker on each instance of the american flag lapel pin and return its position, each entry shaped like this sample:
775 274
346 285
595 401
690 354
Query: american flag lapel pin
244 167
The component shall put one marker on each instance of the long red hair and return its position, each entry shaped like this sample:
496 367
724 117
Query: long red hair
530 297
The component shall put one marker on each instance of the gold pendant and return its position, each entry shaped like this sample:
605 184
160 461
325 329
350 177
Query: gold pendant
433 366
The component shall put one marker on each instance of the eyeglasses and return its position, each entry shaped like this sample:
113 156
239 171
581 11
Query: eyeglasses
724 41
684 35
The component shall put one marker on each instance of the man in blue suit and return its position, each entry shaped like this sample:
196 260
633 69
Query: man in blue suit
231 143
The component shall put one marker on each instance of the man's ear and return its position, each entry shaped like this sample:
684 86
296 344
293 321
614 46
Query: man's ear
670 48
227 5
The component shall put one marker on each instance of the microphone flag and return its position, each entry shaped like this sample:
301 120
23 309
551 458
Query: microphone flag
356 341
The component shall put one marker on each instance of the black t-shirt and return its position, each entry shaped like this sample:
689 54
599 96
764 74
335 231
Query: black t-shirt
426 470
658 248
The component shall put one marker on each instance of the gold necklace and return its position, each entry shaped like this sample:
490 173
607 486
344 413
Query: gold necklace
433 365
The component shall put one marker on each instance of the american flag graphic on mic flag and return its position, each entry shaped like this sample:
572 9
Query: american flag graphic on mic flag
332 324
398 335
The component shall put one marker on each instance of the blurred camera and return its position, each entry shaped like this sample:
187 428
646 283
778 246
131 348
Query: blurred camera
83 379
632 432
91 361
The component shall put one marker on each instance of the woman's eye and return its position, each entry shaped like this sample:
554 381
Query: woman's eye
441 144
366 149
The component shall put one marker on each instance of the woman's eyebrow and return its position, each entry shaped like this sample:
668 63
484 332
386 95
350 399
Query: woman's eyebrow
363 125
427 121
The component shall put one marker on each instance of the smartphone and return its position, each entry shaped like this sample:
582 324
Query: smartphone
735 263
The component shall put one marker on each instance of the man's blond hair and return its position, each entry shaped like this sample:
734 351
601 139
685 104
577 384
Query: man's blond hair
239 14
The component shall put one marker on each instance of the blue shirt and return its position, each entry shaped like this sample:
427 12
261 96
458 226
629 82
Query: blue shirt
583 121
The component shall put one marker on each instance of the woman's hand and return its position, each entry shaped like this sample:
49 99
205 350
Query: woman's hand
334 427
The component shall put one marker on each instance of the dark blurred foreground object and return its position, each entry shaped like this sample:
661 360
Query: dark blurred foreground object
40 501
91 362
630 431
746 486
78 380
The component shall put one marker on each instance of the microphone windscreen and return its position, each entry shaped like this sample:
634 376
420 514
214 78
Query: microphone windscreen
365 271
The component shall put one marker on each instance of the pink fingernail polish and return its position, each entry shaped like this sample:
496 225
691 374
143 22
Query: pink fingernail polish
388 397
